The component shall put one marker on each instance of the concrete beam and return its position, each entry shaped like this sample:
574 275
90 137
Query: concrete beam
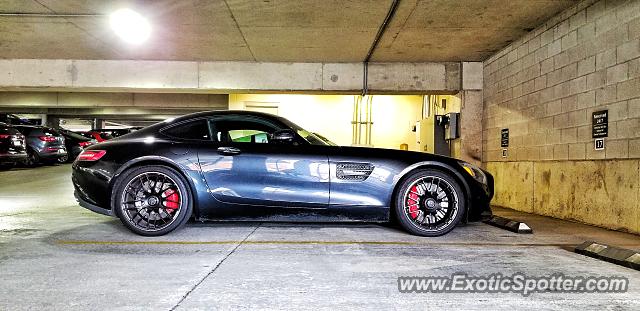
17 100
112 113
226 77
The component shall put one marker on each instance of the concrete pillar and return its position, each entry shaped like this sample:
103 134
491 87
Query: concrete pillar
471 112
471 126
98 124
53 122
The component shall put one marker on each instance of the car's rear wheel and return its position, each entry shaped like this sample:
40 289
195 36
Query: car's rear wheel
152 200
33 158
429 203
63 159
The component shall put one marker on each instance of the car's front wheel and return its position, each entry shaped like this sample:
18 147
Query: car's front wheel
429 203
152 200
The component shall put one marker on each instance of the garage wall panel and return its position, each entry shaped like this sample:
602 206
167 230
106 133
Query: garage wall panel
544 88
601 193
513 184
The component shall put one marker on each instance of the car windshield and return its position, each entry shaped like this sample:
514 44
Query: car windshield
311 138
314 139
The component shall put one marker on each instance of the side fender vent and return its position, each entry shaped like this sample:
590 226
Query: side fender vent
353 171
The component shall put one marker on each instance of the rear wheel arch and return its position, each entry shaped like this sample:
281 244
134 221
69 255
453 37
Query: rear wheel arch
133 164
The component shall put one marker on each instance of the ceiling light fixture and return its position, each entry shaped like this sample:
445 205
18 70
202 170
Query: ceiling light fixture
130 26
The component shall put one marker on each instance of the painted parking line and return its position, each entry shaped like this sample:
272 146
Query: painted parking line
277 242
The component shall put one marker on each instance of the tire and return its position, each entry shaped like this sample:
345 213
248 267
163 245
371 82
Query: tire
420 203
133 200
33 159
63 159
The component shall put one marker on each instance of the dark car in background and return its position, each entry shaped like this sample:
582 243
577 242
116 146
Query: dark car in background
44 144
240 165
12 145
74 143
115 132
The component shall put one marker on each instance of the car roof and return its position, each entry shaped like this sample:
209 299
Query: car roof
224 112
171 121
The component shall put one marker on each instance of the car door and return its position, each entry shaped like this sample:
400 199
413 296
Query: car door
243 167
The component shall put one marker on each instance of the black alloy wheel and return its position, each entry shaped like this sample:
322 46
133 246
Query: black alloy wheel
152 200
429 203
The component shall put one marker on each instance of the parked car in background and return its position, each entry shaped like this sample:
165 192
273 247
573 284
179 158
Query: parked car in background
99 137
44 144
12 146
115 132
74 143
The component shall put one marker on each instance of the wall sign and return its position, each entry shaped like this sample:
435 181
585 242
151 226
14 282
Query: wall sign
504 153
600 124
599 144
504 141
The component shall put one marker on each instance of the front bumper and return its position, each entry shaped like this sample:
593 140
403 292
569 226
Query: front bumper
92 207
480 201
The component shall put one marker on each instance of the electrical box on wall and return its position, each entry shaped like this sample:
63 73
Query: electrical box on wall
452 128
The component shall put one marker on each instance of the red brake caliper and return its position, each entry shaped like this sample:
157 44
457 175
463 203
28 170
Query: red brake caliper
412 202
172 199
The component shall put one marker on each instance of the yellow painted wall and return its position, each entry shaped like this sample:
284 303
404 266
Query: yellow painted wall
454 104
330 115
393 119
601 193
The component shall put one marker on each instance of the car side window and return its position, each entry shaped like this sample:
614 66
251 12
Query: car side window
193 130
243 129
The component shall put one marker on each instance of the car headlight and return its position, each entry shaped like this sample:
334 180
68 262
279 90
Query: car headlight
475 172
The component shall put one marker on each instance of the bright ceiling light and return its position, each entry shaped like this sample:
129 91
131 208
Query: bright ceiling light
130 26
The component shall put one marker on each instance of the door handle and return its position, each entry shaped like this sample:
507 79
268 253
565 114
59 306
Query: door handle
228 150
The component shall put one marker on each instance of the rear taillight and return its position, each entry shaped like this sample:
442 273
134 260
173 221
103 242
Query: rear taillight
91 155
3 136
84 143
48 138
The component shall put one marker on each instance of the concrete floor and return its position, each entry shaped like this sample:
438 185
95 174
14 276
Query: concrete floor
56 255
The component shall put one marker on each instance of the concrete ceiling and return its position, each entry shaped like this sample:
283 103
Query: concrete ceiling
274 30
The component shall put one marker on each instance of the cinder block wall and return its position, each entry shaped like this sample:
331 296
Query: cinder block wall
544 88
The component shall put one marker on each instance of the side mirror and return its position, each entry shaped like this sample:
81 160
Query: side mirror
283 136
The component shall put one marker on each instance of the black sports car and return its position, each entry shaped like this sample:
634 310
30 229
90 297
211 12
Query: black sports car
238 165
